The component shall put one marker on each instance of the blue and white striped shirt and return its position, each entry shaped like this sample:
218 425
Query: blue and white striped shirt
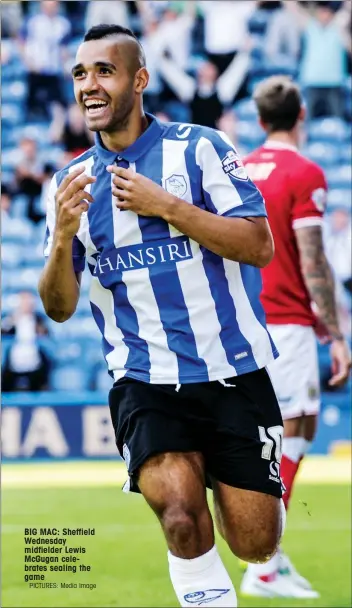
169 310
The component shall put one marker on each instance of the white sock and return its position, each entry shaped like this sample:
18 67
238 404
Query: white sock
293 447
201 580
306 446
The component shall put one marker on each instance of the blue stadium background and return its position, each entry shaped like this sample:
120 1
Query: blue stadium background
78 378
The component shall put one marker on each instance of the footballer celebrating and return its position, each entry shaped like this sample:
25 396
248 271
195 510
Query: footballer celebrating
174 235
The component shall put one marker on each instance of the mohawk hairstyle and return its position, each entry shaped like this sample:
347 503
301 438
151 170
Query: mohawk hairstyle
105 30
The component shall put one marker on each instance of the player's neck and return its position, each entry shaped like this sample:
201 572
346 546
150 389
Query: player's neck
286 137
127 134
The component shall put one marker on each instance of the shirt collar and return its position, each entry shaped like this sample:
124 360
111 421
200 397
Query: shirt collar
274 144
137 149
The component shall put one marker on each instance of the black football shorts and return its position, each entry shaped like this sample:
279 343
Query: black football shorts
236 424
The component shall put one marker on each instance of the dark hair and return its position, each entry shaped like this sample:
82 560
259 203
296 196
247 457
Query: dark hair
279 102
105 30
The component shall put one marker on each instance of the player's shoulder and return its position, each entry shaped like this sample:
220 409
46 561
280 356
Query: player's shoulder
305 162
254 154
291 159
83 159
305 168
191 132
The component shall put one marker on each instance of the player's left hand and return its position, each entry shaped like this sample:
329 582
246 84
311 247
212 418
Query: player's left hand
340 362
138 193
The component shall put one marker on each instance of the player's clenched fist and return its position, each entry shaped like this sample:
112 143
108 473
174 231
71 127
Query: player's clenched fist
71 201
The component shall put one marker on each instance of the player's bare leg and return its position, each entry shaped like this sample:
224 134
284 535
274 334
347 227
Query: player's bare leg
250 522
173 485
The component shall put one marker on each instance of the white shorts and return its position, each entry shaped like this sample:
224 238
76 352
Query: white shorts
295 374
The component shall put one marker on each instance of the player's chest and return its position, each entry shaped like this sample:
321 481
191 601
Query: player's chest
109 226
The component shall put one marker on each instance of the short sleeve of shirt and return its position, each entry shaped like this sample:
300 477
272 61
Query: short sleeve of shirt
310 197
78 249
227 189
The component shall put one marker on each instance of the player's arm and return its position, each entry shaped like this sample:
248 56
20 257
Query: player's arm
318 276
309 200
241 239
234 226
59 284
319 281
247 240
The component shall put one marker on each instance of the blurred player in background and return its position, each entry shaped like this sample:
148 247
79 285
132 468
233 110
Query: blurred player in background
174 234
295 192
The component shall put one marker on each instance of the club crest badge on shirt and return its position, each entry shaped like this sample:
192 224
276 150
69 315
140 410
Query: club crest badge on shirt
233 165
176 185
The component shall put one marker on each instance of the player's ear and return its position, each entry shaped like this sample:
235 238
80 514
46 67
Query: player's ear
263 124
302 113
141 80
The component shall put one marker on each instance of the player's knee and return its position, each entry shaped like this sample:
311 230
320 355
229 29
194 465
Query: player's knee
257 541
183 528
179 524
256 548
261 552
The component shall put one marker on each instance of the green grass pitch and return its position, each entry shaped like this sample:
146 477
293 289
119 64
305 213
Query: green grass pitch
128 554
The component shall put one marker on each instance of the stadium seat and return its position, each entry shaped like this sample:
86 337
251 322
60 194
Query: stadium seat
246 110
249 133
36 130
339 198
103 381
6 281
51 154
19 206
78 327
83 307
346 153
24 279
177 111
15 90
85 282
262 69
9 300
10 71
35 257
68 351
323 153
40 229
11 256
17 231
9 157
330 129
69 378
339 177
11 114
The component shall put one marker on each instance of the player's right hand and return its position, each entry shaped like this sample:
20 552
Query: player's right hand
71 201
340 362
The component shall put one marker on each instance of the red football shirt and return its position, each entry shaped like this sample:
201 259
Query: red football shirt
294 189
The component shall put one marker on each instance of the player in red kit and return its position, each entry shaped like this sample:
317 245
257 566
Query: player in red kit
299 276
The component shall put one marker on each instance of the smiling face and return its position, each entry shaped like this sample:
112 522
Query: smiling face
106 83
